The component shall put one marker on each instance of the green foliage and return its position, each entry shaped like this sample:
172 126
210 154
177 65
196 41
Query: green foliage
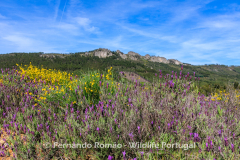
91 87
212 76
236 85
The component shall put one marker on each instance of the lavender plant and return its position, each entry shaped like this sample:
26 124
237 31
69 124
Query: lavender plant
36 116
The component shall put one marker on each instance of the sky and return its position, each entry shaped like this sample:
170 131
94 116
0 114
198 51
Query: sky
197 32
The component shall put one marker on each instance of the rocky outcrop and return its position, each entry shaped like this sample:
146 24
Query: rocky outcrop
87 53
158 59
147 57
47 56
133 55
52 55
131 76
101 53
122 55
174 61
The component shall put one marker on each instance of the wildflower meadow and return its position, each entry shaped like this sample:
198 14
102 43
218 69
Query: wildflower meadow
49 114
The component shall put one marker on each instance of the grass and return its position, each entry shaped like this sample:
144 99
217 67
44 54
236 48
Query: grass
110 116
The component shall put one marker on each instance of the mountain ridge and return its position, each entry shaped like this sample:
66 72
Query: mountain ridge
103 53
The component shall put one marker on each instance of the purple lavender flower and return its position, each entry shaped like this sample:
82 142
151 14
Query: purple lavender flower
196 138
219 133
226 141
110 157
211 145
168 125
232 146
207 147
131 135
124 154
138 129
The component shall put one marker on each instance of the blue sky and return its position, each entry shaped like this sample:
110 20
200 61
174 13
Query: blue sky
195 31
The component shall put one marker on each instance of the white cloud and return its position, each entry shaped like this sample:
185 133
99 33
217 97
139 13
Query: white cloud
56 10
2 17
85 23
82 21
19 41
69 28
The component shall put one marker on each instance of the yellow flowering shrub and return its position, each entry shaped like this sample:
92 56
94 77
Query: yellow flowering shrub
93 83
223 96
63 81
46 75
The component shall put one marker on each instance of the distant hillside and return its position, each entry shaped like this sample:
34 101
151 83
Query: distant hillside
211 76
